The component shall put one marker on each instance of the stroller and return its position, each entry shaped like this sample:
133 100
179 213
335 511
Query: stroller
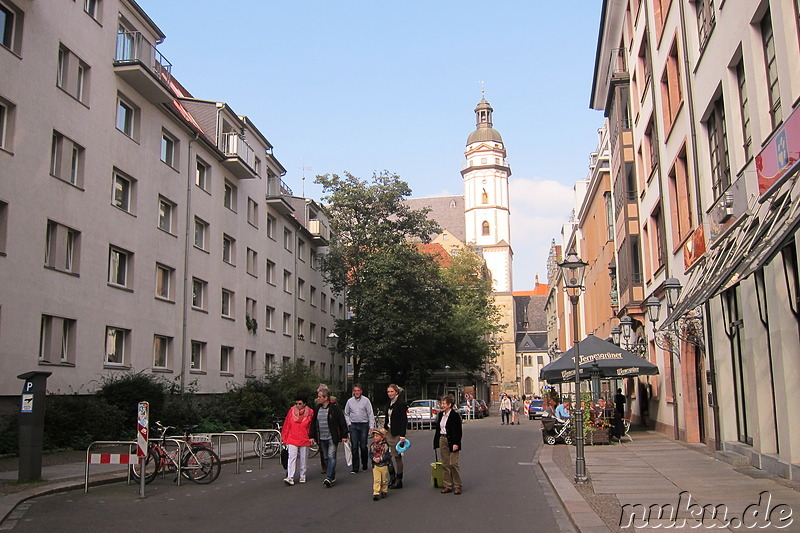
555 430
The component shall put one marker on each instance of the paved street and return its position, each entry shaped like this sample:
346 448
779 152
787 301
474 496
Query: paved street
503 489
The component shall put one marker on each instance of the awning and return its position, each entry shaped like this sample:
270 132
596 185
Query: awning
748 247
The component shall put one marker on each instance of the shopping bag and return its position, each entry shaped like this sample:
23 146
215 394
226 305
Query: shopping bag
348 453
437 472
285 457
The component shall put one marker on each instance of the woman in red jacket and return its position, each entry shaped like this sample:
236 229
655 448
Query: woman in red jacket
295 434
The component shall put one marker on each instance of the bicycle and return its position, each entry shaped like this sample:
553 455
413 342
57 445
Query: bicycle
271 443
198 462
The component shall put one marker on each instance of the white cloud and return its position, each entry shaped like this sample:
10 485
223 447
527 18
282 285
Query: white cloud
539 208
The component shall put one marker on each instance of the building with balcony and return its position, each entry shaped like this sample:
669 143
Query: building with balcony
712 92
143 229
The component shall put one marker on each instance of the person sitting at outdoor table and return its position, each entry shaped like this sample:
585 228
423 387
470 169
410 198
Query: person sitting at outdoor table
563 409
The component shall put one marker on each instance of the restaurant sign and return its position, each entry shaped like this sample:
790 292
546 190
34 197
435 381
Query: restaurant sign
779 157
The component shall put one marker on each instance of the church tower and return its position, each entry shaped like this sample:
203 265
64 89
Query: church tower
488 230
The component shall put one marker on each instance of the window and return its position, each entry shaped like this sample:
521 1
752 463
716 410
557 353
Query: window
314 259
10 27
313 296
92 8
773 90
66 159
161 349
57 340
164 276
287 239
485 228
72 75
312 332
671 91
323 336
251 310
124 192
271 227
287 324
169 150
201 175
743 103
269 318
323 302
198 356
7 114
270 274
165 211
225 363
301 329
252 262
227 303
331 306
229 249
229 196
62 247
116 345
301 250
287 281
609 217
657 244
127 117
3 226
718 147
120 266
650 154
199 288
301 288
252 212
200 231
269 363
250 363
680 198
705 20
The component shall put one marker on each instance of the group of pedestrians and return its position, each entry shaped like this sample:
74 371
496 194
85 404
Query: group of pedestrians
330 425
509 409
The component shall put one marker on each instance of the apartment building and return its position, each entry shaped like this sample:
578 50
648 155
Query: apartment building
709 92
142 229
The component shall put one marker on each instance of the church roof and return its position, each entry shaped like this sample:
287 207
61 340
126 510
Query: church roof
484 135
530 313
483 125
447 211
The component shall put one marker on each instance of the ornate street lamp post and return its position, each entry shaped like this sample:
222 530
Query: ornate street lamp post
572 271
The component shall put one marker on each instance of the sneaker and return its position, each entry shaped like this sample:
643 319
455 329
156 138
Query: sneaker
303 479
383 494
354 471
289 481
376 497
327 482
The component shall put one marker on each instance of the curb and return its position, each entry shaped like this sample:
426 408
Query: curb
577 508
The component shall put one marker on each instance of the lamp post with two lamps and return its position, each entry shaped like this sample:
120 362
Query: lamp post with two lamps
572 272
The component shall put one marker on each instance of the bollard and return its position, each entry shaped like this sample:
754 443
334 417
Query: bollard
31 424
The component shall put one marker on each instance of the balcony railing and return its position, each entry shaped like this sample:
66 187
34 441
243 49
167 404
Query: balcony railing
133 47
234 145
276 187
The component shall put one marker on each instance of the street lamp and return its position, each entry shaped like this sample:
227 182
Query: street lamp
572 271
333 338
615 334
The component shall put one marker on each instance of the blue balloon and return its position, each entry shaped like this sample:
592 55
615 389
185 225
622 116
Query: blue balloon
403 446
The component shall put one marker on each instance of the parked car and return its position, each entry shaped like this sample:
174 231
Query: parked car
425 410
484 407
470 411
535 409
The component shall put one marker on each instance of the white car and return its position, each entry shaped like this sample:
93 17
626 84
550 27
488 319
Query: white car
423 410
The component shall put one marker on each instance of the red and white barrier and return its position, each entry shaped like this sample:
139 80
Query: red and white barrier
113 459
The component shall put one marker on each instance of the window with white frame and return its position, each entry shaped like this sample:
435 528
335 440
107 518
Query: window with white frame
287 239
229 249
301 289
250 363
124 192
166 217
301 329
333 310
314 259
120 266
251 309
313 296
57 340
271 226
718 147
7 113
161 351
301 250
252 262
269 362
66 159
117 340
127 117
227 303
3 226
164 276
62 246
270 273
10 26
287 324
72 75
229 196
252 212
773 89
225 359
169 149
257 165
323 302
198 357
199 293
202 174
269 318
312 332
200 232
323 336
287 281
92 8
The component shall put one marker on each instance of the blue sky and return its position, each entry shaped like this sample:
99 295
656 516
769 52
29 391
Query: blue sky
368 86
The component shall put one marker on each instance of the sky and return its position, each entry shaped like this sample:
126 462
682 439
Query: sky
367 86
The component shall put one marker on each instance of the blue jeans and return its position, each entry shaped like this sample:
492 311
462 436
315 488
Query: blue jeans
358 442
329 448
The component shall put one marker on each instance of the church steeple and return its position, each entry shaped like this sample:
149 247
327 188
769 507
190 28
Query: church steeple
483 114
483 125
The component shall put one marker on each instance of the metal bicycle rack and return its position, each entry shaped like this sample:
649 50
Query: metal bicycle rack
131 446
262 433
219 437
240 444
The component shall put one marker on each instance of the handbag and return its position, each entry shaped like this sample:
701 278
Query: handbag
285 457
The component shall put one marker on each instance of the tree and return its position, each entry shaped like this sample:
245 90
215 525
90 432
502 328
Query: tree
370 225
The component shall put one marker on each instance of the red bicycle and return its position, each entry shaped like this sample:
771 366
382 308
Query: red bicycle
198 461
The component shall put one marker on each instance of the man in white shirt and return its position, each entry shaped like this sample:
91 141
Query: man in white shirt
360 423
